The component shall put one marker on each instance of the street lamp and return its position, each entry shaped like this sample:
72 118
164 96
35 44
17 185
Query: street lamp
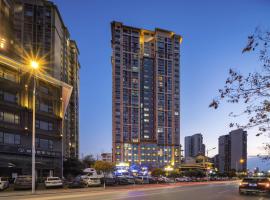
207 151
241 161
34 65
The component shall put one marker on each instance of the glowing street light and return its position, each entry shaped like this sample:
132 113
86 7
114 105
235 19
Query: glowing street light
34 65
241 161
2 43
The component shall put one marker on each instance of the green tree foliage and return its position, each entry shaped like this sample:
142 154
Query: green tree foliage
194 173
157 172
72 167
88 161
104 166
174 174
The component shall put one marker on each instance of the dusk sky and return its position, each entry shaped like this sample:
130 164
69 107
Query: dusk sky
214 33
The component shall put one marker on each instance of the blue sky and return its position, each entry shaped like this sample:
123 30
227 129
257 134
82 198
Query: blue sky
214 33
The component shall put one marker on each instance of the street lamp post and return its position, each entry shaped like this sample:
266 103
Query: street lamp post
207 151
34 65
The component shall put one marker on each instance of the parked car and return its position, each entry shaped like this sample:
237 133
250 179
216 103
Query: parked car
141 180
90 181
23 182
254 185
130 179
4 183
153 180
52 182
164 179
109 179
183 179
77 183
124 180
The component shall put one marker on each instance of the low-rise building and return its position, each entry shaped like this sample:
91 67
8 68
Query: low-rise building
106 157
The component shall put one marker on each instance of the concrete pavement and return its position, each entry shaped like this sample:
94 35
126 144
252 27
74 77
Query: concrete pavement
194 191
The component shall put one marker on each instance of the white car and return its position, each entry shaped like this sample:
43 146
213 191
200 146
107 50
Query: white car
183 179
90 181
53 182
3 183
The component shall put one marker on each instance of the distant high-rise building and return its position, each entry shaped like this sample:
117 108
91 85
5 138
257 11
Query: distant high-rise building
238 150
194 145
215 161
233 151
146 121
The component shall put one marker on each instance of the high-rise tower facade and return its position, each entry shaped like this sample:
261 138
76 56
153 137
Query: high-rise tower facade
233 151
194 145
146 100
40 30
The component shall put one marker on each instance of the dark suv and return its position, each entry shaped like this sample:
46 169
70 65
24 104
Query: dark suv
254 185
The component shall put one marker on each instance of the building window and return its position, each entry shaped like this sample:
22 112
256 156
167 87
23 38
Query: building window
29 13
44 125
1 137
8 138
9 97
8 75
44 89
9 117
44 144
45 107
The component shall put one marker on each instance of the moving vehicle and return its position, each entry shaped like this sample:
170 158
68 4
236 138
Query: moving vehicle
52 182
23 182
4 183
254 185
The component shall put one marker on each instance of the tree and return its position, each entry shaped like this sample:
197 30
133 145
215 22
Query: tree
89 161
72 167
157 172
253 89
104 167
194 173
174 174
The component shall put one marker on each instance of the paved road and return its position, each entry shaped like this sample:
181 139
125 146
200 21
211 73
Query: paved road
211 191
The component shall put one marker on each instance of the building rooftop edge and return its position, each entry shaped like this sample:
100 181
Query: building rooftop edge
153 31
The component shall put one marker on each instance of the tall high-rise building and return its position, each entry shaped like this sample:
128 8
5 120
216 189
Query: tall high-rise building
224 153
6 33
194 145
39 30
34 29
146 117
233 151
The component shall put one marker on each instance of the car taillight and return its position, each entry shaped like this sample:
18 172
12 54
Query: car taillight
265 184
243 183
